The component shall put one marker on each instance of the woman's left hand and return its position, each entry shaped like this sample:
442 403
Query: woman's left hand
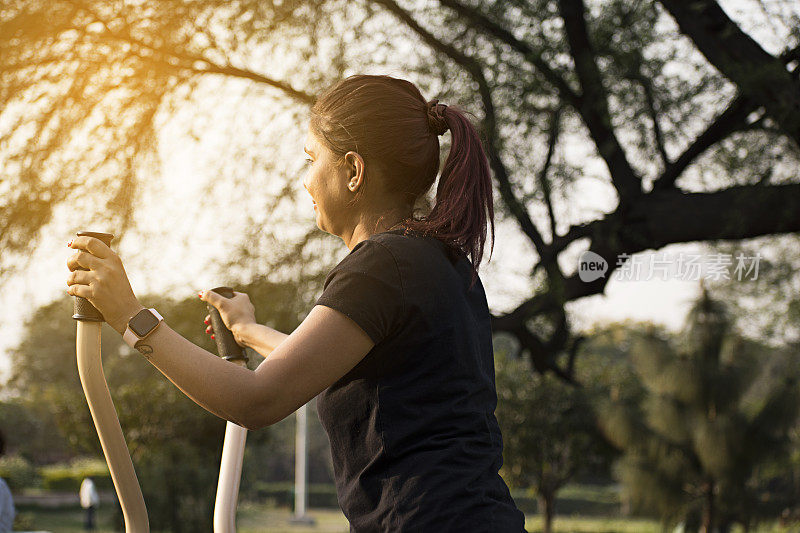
237 312
102 281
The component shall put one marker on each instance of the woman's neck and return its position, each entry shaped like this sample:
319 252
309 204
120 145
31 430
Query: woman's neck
376 224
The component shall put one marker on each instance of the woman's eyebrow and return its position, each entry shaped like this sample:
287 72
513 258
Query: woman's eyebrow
306 150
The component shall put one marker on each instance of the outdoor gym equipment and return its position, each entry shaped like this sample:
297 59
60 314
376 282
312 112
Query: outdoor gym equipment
126 484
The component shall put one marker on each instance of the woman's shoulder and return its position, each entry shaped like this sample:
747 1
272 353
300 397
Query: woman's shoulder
403 242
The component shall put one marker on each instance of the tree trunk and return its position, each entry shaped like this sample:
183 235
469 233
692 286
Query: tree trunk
707 524
546 508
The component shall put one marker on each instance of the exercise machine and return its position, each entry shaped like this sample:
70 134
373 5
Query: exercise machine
90 369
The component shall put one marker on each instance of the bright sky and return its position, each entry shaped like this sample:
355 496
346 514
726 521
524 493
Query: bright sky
174 228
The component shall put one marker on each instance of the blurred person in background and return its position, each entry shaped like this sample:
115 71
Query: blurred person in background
89 501
6 501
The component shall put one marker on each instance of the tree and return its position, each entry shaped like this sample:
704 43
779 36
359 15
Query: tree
766 303
549 432
29 433
713 421
542 77
766 307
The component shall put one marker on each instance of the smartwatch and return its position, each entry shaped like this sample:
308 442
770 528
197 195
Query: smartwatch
141 325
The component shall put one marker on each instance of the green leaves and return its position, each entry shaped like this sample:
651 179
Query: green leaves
710 417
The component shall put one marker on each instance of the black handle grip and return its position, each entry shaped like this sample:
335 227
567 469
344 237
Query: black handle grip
226 344
83 309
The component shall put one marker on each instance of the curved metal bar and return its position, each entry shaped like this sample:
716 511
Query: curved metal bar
230 474
90 370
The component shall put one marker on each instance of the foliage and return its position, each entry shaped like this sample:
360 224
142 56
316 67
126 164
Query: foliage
125 65
273 461
281 494
710 426
547 427
68 477
28 431
766 303
17 472
549 432
23 522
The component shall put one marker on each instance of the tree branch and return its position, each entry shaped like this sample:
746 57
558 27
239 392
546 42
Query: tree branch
668 217
530 341
544 181
478 19
729 121
594 113
188 61
759 75
593 103
651 109
733 119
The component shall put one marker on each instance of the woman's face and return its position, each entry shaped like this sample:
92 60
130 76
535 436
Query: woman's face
326 182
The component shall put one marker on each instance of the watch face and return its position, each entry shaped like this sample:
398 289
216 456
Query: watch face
143 322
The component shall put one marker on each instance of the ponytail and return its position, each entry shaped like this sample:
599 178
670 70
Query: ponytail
389 123
464 194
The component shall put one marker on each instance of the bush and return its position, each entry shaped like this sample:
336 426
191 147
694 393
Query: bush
320 495
525 500
18 472
68 478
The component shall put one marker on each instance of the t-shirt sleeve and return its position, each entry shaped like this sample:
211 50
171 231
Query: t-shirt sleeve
366 287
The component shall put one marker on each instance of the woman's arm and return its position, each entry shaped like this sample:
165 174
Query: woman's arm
323 348
262 339
224 389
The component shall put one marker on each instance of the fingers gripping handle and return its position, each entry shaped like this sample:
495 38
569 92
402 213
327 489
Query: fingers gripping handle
226 344
84 310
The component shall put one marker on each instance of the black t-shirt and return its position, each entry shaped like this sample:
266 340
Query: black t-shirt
414 439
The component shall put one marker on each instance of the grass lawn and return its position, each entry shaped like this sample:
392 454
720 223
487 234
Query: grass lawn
533 523
259 518
62 520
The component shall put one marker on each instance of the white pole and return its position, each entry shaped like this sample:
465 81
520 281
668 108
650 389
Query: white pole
230 474
300 477
90 370
300 464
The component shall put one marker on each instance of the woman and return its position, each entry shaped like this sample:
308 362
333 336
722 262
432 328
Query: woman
398 346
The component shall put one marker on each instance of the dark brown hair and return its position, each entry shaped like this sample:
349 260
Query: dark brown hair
389 123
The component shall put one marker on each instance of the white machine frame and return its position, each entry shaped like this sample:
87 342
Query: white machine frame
101 406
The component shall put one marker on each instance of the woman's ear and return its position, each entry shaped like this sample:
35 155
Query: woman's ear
355 170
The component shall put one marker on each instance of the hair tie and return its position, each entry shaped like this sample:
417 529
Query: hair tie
436 120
